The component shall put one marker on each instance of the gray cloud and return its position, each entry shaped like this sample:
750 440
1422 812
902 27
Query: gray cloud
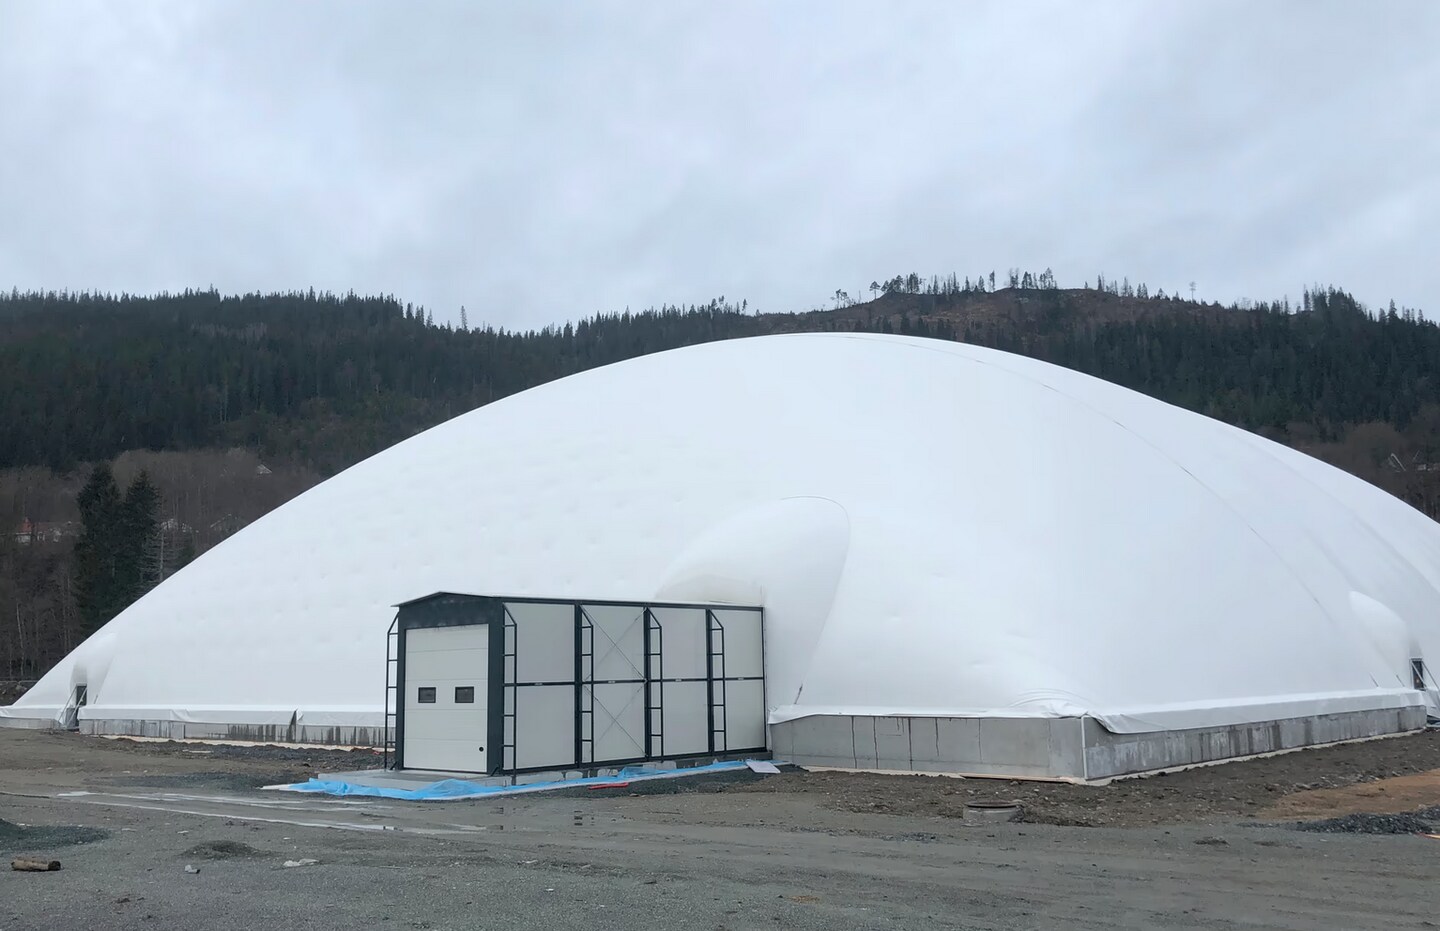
541 162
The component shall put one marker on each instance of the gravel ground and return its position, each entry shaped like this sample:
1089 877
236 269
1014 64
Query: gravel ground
14 838
79 761
1425 821
798 850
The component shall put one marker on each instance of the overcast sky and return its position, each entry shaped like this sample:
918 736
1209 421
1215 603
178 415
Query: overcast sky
538 162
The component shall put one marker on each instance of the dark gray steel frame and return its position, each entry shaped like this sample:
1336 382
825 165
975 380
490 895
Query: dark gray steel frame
453 609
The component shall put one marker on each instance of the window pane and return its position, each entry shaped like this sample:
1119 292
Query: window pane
426 696
464 694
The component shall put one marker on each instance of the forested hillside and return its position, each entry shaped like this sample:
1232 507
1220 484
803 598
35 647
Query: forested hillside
325 380
297 386
320 378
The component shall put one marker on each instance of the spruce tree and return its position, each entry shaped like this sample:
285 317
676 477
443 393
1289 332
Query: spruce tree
99 587
141 559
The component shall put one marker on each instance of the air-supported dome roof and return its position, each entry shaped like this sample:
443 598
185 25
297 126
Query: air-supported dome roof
934 528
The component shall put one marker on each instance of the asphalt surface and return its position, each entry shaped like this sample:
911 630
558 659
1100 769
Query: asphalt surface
732 860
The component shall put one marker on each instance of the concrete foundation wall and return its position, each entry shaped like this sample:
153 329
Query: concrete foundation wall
1055 748
1108 754
264 733
38 724
1021 747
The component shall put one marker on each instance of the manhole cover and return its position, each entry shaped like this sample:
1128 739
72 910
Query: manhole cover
992 812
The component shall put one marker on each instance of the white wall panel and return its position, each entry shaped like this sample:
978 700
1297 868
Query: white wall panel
619 732
545 650
619 637
686 719
744 643
744 715
682 640
544 726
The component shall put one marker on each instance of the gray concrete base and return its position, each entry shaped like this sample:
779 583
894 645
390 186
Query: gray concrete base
1108 755
1077 749
415 778
38 724
252 733
1032 748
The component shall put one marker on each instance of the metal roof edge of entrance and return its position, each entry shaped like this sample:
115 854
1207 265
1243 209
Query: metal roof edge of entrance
535 599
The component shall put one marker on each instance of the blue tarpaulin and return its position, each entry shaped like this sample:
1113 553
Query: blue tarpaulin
460 788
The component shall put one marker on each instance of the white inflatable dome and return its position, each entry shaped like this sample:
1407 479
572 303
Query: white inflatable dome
934 529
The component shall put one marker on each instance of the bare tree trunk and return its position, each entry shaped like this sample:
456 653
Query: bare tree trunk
20 633
65 595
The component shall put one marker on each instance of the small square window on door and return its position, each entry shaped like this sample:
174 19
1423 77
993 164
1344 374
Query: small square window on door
426 695
464 694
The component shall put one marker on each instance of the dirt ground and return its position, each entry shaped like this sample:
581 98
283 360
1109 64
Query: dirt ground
1209 848
1317 783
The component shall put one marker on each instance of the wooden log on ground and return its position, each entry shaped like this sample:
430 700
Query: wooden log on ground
29 865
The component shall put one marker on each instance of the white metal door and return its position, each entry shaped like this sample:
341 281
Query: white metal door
446 717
